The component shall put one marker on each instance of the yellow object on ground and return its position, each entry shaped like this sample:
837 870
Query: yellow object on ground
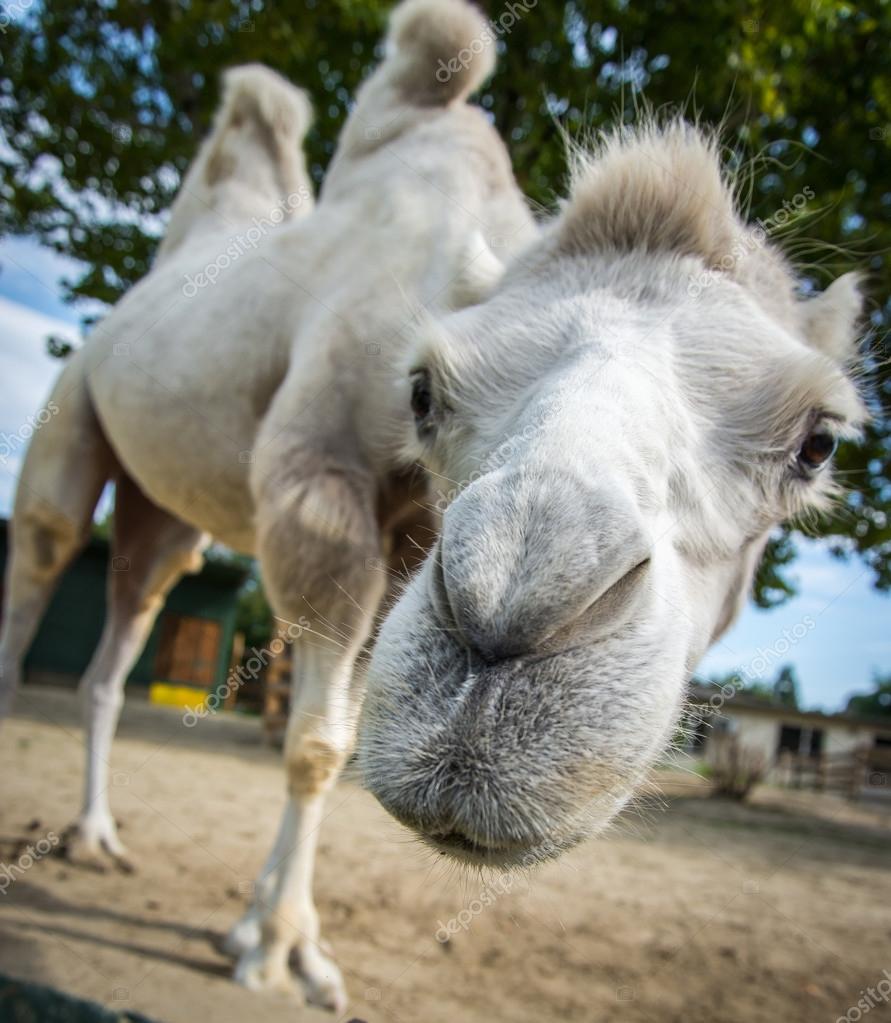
172 695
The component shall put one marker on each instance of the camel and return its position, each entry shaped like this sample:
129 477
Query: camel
611 441
640 399
251 390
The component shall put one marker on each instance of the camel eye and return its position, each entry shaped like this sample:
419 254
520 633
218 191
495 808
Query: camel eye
421 400
818 447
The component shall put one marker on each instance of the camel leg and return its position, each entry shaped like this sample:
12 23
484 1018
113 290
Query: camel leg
67 464
319 551
151 550
320 737
409 539
245 934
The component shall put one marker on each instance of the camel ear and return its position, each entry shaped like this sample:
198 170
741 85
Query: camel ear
830 319
480 272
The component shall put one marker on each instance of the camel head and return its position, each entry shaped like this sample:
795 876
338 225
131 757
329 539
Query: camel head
613 432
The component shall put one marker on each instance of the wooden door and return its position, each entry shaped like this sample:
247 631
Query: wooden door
188 650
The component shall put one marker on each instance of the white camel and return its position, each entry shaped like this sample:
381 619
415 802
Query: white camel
252 390
616 443
639 401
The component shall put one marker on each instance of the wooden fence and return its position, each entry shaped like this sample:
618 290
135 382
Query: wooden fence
865 771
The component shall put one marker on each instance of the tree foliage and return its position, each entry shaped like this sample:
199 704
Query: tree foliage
876 703
102 104
785 687
783 690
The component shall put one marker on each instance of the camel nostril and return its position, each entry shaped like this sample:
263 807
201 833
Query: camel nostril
437 579
527 552
439 592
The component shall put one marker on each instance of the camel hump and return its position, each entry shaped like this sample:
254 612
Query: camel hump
261 110
251 164
439 50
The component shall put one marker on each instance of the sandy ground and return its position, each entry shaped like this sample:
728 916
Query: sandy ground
692 909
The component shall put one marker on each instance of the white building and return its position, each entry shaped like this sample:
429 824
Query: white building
838 751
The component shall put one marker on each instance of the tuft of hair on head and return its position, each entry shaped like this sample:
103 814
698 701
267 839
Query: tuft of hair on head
651 189
439 50
256 96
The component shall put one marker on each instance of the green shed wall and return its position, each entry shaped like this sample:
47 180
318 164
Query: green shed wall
70 630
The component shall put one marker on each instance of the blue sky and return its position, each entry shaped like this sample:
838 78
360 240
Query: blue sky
836 632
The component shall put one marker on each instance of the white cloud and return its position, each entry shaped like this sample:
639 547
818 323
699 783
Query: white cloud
28 373
32 274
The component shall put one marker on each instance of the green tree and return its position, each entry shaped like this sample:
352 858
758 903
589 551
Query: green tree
783 690
732 682
254 616
876 703
102 103
785 687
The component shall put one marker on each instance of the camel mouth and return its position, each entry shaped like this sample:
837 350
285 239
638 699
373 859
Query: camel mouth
460 846
505 856
465 850
509 764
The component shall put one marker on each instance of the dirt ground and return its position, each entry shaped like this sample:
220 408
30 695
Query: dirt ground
691 909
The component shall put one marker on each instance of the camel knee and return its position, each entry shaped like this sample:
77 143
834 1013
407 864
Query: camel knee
103 693
44 542
313 763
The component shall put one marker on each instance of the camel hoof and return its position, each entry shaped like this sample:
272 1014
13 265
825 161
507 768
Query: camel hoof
96 844
258 972
322 979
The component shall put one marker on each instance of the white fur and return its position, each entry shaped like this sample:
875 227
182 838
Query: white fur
619 449
621 439
251 163
267 408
